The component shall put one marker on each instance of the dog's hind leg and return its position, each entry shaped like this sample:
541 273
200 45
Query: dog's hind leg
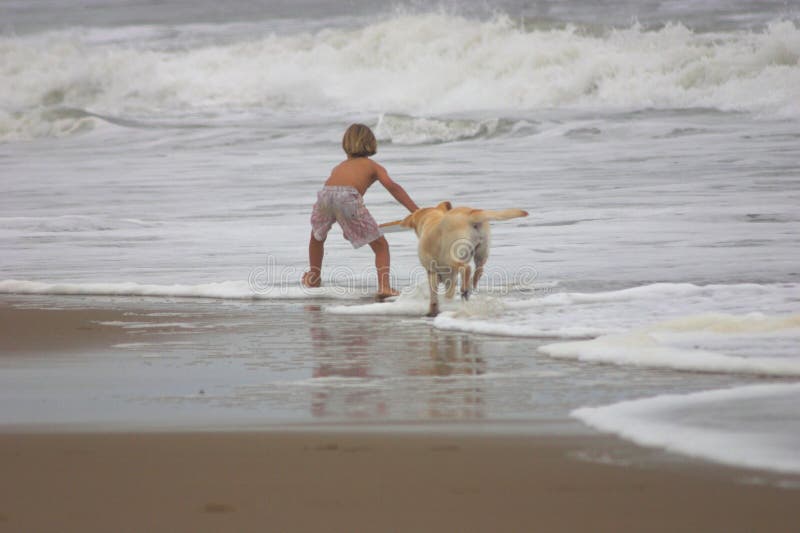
433 281
481 256
477 276
466 282
451 282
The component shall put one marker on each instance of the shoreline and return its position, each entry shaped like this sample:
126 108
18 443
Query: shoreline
473 474
344 481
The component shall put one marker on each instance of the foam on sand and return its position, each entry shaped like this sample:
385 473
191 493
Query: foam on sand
755 426
231 290
455 321
576 314
737 328
415 300
688 344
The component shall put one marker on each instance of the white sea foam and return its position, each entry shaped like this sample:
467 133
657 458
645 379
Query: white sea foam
754 426
234 290
418 65
414 300
453 322
571 314
713 342
402 129
72 223
643 349
744 328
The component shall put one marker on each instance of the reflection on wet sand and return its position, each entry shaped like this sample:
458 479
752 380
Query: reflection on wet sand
369 353
453 356
342 352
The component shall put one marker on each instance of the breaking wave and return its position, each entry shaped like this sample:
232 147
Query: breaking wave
405 65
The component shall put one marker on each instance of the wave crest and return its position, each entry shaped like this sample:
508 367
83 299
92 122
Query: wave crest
404 129
405 65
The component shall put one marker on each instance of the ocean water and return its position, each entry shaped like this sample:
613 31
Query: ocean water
173 150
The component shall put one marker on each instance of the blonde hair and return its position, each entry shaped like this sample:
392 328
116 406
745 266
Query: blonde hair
359 141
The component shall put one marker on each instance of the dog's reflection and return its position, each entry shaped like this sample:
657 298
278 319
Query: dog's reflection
366 372
450 355
453 359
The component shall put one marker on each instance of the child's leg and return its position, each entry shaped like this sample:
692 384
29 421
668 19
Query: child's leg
381 248
316 250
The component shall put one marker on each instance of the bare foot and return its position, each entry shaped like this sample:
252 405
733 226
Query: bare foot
381 296
310 280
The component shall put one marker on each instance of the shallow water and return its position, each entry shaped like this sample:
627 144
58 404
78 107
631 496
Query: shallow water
169 152
257 364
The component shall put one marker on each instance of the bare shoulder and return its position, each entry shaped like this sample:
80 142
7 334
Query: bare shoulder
365 163
378 171
338 167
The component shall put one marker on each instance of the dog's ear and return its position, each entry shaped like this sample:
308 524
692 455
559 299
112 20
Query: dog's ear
444 206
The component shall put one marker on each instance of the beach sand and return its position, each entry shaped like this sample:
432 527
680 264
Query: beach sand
356 478
345 481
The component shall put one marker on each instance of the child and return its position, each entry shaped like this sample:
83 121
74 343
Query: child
340 200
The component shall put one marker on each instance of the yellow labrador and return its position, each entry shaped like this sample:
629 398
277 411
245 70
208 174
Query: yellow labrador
450 240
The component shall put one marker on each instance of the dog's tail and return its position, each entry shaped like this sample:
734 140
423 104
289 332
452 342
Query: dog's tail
394 226
392 223
483 215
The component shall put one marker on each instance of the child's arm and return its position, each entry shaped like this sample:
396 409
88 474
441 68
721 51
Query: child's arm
395 189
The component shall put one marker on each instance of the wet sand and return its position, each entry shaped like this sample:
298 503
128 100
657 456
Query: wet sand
53 331
363 482
347 480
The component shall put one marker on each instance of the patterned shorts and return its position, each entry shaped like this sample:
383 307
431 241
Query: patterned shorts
345 206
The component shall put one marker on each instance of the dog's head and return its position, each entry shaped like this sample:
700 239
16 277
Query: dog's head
416 219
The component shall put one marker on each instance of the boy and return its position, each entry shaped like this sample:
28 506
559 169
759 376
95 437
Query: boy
341 200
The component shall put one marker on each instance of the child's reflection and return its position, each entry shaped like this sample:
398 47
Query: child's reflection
342 351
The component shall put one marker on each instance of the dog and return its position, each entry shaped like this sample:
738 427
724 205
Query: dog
451 239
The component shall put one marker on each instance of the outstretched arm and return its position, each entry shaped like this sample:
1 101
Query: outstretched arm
394 188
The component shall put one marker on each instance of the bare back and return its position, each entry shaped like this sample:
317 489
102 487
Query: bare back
358 172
